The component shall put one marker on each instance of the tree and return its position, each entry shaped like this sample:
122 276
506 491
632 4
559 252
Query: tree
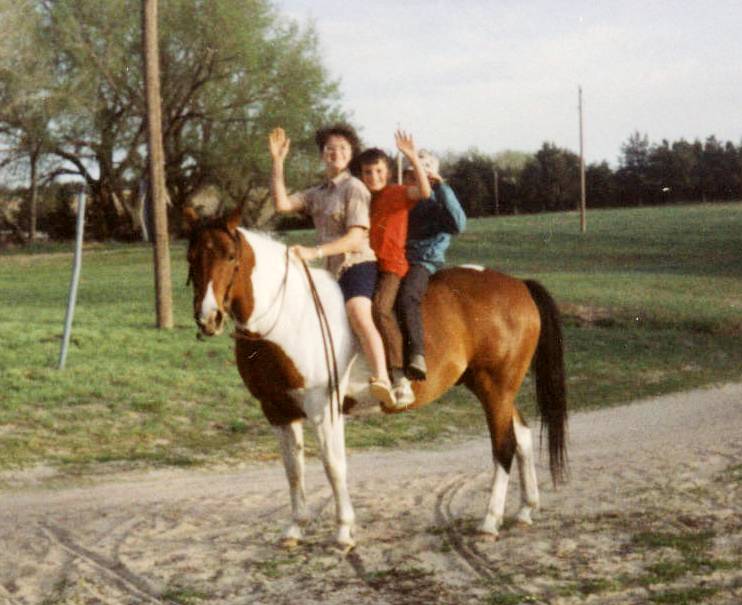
231 70
25 98
510 166
633 169
551 180
472 178
600 185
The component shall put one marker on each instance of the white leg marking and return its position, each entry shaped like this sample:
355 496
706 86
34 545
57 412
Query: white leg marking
209 304
496 508
529 497
331 438
291 440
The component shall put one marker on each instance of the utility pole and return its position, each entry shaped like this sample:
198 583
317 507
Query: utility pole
583 219
157 192
497 190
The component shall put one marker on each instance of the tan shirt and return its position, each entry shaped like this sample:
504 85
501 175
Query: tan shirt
335 206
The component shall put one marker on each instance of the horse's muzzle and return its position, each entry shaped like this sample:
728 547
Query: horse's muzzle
212 325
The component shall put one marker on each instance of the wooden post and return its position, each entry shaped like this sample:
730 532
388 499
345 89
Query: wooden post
497 190
583 219
158 195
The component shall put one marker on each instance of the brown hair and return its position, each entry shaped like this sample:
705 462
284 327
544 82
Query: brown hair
371 156
340 130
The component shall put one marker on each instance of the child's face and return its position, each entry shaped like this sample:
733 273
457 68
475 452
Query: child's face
337 153
375 176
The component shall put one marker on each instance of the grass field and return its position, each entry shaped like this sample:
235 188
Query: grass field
652 300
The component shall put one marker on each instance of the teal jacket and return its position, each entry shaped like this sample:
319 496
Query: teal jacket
432 222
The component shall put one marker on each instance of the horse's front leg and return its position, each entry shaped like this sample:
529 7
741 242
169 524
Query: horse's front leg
291 439
331 438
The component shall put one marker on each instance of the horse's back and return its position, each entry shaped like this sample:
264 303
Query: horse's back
475 317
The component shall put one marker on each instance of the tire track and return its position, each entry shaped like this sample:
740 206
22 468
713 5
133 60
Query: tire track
467 553
6 597
116 572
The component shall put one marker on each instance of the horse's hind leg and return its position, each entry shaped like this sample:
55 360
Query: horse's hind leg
499 408
529 497
291 439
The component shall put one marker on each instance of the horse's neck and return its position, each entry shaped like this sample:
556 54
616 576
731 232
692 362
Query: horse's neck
269 278
284 309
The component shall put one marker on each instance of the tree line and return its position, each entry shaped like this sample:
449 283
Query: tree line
549 180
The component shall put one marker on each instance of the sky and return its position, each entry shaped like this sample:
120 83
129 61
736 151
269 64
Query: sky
494 75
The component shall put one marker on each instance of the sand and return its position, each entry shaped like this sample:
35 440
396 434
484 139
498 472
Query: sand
652 511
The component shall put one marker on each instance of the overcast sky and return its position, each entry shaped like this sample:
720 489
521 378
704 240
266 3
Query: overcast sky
503 74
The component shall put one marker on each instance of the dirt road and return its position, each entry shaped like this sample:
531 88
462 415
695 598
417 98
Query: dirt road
652 513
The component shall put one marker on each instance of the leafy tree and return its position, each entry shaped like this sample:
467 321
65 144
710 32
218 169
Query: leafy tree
25 98
472 178
231 70
600 186
633 170
550 181
510 166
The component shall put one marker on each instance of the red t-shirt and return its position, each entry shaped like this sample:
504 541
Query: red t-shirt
388 235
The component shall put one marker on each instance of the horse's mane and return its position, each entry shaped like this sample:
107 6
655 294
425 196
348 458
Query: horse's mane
264 236
220 224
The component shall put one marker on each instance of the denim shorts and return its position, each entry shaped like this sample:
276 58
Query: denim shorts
359 280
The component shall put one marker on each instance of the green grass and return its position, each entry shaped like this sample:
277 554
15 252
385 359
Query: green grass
665 283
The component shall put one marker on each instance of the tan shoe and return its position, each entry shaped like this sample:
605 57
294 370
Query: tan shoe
381 389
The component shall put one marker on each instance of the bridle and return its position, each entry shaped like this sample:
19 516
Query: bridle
237 259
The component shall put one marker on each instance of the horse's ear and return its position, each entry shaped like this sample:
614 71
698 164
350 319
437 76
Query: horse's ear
233 219
190 218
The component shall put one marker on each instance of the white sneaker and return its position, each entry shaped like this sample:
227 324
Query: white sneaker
402 389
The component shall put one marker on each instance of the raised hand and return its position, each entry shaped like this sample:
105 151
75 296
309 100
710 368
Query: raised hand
405 143
278 144
433 176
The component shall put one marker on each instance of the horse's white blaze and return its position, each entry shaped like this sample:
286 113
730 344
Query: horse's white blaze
472 267
209 304
496 508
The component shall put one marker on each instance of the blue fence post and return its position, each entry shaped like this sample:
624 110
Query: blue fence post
77 263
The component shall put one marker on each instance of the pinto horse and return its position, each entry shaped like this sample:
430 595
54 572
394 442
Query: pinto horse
483 329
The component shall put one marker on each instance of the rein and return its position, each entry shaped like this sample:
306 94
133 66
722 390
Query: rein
328 345
333 380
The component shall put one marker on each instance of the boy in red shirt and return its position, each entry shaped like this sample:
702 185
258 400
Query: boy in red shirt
390 206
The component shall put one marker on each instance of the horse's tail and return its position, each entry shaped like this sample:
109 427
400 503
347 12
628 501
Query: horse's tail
551 391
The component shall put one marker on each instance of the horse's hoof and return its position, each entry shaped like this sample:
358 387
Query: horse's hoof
345 547
345 542
523 519
523 523
486 536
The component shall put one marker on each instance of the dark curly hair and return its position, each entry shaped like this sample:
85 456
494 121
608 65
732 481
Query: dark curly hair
371 156
340 130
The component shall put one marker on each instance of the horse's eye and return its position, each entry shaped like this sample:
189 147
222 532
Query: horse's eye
232 257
